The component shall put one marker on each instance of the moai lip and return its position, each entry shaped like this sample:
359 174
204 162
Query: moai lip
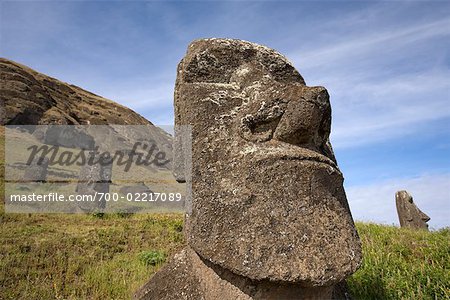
268 201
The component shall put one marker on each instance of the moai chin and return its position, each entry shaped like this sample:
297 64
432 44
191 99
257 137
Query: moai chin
409 214
268 203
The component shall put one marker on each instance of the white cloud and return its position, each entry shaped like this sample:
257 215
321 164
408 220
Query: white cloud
142 97
378 92
366 44
358 54
369 112
376 202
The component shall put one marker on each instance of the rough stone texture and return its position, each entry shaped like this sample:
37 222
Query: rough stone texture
188 276
409 214
37 170
32 98
267 196
68 136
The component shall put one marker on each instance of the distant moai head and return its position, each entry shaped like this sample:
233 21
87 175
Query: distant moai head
267 196
37 170
409 214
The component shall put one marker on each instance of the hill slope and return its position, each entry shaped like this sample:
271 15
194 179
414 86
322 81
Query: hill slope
28 97
32 98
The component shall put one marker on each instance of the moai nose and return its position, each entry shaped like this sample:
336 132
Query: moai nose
307 119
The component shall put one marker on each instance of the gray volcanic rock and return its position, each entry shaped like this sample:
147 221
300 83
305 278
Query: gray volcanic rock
68 136
267 196
188 276
409 214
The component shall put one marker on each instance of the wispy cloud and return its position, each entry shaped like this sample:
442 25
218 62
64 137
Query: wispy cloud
384 83
150 100
376 202
369 112
367 44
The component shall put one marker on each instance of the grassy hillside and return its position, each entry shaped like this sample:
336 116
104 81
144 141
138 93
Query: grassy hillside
58 256
82 257
76 256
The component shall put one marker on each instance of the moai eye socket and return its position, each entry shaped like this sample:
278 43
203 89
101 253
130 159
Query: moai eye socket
261 123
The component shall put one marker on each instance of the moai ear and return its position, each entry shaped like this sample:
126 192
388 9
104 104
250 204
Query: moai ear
410 207
179 156
181 149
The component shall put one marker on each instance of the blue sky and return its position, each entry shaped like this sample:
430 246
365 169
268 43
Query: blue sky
385 64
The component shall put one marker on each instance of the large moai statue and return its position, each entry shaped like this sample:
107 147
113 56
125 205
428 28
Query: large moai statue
269 218
409 214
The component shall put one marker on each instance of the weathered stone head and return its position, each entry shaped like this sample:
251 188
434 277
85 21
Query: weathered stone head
267 196
409 214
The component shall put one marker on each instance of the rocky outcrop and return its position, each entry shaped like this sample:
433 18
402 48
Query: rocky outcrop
409 214
32 98
268 206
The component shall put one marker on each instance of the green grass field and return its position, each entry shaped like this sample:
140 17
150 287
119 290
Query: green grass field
57 256
402 263
82 256
86 257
